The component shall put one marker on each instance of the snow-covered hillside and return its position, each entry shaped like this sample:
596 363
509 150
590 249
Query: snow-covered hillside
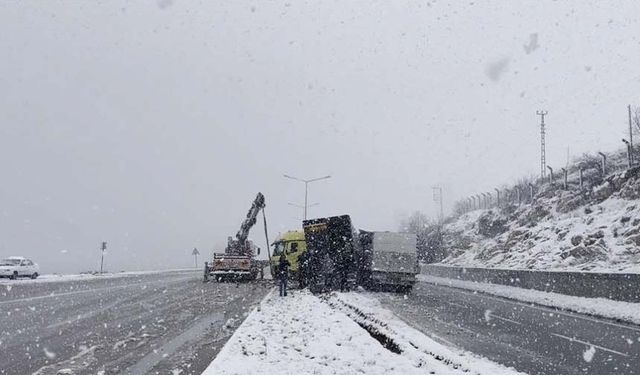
594 228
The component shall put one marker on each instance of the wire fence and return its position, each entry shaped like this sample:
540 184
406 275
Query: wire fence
586 173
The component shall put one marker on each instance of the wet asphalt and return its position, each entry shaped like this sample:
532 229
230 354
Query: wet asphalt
155 323
530 338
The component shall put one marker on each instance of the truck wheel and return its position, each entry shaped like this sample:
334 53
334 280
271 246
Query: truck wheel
406 289
34 276
14 276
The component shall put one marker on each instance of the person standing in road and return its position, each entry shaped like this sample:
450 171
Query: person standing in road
283 275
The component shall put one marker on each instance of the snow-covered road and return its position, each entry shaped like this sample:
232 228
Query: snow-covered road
142 323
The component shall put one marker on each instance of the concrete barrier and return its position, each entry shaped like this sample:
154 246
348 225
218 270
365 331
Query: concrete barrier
615 286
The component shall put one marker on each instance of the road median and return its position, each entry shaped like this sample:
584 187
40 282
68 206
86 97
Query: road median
340 333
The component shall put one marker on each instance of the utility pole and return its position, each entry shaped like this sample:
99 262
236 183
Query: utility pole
631 137
195 253
543 162
437 197
266 237
104 247
306 188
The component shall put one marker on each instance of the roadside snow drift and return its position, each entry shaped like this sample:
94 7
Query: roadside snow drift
337 334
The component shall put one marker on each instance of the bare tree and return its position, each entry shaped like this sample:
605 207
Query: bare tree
415 223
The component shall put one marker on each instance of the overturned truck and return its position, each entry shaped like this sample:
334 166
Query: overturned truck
331 254
339 257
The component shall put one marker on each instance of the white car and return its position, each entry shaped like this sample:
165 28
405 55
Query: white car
14 267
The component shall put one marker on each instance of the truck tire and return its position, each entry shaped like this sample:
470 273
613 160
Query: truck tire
406 289
34 276
14 275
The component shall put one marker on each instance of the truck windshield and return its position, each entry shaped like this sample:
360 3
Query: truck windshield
278 249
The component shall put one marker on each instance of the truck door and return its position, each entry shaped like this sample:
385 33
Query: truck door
293 252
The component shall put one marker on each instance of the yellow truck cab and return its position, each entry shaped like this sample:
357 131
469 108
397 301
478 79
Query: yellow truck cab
292 244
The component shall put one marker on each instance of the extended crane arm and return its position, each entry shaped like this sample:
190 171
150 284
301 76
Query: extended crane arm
250 220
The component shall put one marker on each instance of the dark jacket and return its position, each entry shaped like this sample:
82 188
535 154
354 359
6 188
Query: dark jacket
283 269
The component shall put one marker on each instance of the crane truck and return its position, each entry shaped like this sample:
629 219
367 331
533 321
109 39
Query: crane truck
238 260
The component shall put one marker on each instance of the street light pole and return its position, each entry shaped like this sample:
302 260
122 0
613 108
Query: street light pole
306 188
306 193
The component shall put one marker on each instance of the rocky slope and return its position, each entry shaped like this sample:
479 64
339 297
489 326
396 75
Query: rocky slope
593 228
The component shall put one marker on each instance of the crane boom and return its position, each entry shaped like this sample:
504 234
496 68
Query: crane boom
250 220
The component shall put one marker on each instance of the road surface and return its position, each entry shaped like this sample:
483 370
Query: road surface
144 324
530 338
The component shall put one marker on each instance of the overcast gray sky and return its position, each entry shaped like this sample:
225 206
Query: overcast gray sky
153 124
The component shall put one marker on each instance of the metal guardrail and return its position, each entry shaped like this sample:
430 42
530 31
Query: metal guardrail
615 286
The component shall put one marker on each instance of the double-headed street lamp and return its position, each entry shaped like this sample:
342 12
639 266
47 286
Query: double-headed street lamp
301 206
306 190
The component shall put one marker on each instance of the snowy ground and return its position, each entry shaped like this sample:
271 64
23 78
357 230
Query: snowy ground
49 278
334 334
597 230
609 229
623 311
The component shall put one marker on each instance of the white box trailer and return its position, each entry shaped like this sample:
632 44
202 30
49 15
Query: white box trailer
389 259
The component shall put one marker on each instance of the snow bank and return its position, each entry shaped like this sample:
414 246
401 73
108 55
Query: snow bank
421 350
303 334
603 307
